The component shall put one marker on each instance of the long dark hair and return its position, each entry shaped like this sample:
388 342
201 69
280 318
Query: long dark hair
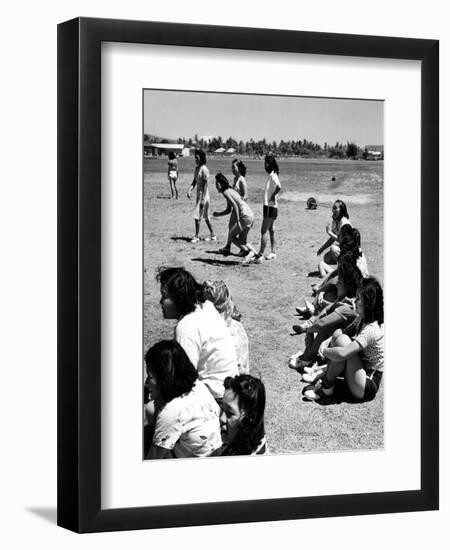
272 164
343 213
222 181
240 166
174 373
350 277
252 401
201 155
182 287
372 294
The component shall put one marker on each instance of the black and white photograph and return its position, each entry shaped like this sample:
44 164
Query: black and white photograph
263 255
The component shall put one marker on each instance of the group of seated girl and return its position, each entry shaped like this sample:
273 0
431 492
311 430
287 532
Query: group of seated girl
344 323
200 373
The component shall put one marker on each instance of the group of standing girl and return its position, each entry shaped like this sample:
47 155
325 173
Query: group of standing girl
343 326
241 215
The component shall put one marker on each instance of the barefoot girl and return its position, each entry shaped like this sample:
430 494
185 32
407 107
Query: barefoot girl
360 359
201 176
339 218
172 175
240 185
243 215
270 210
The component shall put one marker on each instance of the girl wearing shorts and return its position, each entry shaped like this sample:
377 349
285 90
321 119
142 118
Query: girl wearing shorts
201 176
172 175
240 185
270 211
361 359
243 215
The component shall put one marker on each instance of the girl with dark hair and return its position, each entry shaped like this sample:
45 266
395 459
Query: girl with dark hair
200 330
337 315
201 176
270 211
242 417
240 186
187 416
339 218
242 215
360 359
172 175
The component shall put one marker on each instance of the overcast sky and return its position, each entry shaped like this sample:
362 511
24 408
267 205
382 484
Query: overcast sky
173 114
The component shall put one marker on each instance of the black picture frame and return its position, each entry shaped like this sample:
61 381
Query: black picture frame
79 274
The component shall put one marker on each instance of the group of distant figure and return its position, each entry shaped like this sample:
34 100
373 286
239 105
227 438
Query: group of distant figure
200 398
241 216
344 324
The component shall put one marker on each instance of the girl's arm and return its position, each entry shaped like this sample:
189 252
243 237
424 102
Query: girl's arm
342 353
330 233
325 246
224 212
193 184
243 188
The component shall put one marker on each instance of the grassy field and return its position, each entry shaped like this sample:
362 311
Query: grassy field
267 294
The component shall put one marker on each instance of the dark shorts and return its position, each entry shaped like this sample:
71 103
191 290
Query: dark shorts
270 212
373 382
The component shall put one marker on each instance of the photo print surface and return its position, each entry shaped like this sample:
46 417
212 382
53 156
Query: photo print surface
263 274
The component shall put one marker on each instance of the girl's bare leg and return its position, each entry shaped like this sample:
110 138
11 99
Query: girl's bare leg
208 223
272 237
197 228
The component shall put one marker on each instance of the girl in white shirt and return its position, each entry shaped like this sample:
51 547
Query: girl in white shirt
270 212
200 330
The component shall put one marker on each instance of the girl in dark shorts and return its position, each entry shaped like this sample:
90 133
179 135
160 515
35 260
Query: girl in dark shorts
270 211
361 358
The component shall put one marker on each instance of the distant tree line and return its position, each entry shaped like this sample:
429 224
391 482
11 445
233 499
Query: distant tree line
288 148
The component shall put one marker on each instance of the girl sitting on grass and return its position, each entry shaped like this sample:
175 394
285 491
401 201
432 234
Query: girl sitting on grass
337 315
242 417
217 292
182 412
361 359
339 218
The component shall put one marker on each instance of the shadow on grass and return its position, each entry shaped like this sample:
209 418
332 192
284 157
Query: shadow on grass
341 395
210 261
163 197
186 239
217 251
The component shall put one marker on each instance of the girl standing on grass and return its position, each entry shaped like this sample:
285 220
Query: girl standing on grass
240 185
172 175
339 218
243 215
360 359
270 211
201 176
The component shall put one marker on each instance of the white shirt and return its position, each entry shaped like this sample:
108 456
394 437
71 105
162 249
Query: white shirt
189 425
272 183
205 338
